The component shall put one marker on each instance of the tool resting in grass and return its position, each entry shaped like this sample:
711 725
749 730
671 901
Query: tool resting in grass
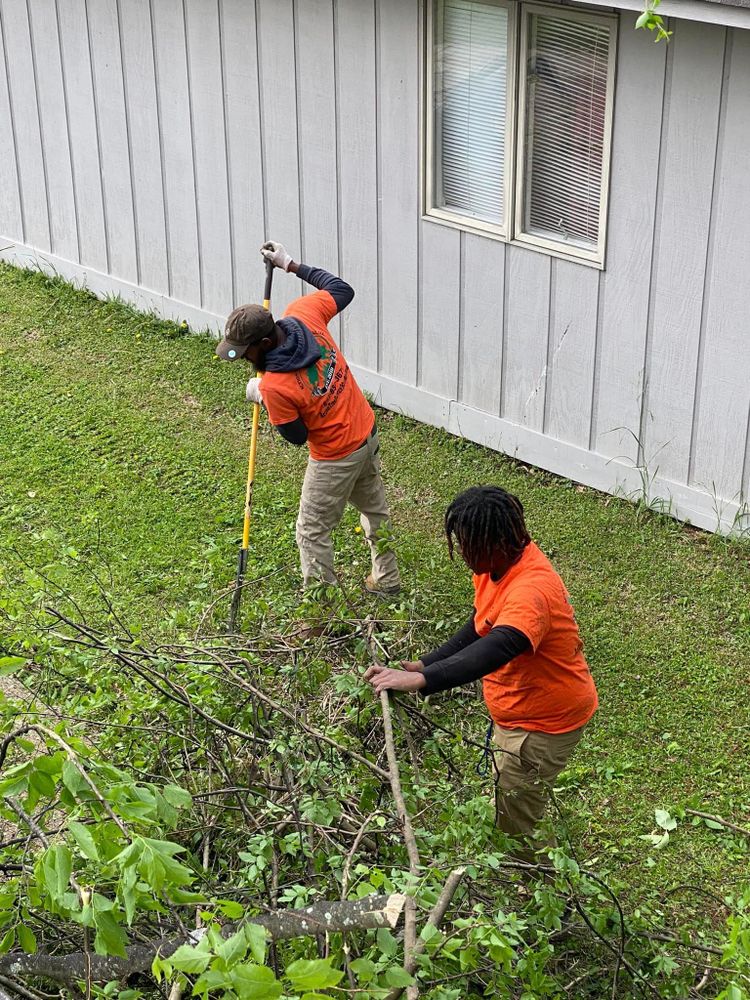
312 398
522 639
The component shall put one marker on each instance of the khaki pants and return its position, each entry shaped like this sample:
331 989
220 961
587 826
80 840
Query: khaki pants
327 488
526 765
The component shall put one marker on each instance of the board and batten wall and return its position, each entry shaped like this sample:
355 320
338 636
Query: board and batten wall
150 146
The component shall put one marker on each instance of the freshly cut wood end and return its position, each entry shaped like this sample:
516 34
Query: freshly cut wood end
394 907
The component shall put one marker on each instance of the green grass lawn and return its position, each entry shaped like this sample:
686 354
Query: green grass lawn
123 446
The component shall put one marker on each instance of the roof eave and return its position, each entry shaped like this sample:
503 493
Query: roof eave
735 13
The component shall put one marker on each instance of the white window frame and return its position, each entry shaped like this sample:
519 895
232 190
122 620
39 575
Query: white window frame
596 255
512 231
431 154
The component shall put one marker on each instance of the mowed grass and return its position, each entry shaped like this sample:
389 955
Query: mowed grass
123 446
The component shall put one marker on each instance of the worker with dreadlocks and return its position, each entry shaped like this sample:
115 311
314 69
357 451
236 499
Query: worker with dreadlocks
522 640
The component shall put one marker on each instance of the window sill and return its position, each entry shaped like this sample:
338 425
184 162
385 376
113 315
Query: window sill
530 243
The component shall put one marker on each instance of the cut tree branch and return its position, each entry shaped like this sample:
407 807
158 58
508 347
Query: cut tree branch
410 911
434 920
280 925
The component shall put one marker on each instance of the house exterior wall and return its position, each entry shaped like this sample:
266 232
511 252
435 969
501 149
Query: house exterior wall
152 145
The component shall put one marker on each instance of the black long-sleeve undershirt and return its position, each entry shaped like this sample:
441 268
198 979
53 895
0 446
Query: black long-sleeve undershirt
465 635
340 291
467 656
295 432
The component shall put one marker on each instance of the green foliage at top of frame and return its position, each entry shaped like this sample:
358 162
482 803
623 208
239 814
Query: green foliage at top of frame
651 21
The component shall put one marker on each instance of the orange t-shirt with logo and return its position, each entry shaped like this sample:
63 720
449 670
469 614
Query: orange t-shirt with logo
325 395
549 689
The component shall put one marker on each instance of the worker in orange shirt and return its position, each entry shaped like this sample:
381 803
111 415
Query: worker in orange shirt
522 639
312 398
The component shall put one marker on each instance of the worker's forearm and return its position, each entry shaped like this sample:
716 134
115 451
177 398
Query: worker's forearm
295 432
465 635
341 292
476 660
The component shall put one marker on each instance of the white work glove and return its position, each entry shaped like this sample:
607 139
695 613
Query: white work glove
252 393
276 253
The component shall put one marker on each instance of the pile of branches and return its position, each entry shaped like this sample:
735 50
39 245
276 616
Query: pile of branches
325 811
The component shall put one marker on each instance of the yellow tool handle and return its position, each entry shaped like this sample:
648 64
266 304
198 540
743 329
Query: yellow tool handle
253 446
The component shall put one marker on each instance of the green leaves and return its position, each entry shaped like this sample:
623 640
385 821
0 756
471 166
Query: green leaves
154 860
364 969
256 941
10 664
644 19
178 797
232 949
57 864
8 940
221 964
664 819
651 21
396 976
255 982
15 780
26 939
110 938
665 822
72 778
84 840
313 974
387 943
190 959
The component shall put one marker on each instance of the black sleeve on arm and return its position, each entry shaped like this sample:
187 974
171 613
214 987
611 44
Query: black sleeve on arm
465 635
295 432
476 660
341 293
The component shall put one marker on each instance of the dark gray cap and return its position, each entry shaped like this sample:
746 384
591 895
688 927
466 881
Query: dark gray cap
245 326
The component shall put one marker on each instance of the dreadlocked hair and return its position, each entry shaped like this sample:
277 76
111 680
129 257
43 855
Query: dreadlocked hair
486 518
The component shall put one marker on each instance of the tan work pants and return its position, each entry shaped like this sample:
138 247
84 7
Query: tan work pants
526 765
327 488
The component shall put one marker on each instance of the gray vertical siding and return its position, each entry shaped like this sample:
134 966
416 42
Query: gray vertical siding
720 443
153 144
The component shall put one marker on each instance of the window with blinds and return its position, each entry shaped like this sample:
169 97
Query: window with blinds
566 85
470 59
518 129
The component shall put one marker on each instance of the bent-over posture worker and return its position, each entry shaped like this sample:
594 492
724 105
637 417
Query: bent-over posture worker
312 397
522 639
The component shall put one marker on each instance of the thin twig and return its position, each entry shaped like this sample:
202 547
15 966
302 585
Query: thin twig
298 722
722 822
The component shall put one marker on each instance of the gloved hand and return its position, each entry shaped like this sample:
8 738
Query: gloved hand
252 393
276 253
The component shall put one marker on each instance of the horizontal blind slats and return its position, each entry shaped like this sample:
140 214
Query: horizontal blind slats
566 103
471 95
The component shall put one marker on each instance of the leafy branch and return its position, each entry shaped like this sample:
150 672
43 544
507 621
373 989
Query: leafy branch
652 21
243 786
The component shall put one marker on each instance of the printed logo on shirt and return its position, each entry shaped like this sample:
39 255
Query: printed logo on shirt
320 374
339 386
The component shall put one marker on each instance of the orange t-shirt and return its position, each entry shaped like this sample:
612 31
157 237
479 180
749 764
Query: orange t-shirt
549 689
325 395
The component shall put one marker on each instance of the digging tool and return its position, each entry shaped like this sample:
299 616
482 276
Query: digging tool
242 558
